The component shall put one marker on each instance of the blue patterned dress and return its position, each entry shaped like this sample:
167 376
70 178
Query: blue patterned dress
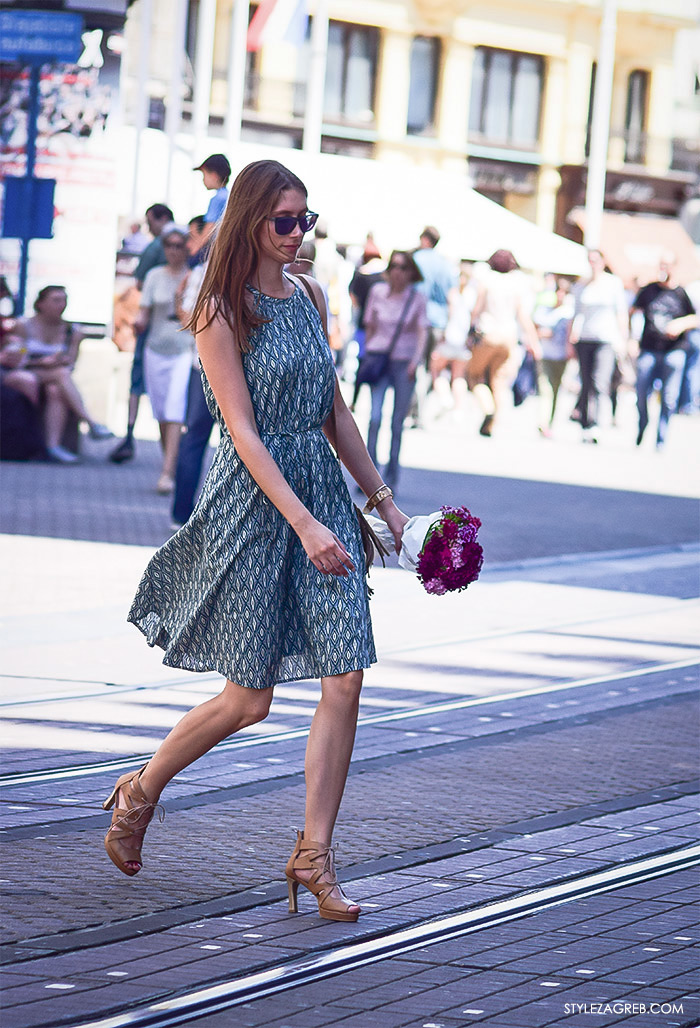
234 591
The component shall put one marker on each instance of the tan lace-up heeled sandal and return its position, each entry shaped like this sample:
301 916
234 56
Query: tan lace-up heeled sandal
129 820
317 858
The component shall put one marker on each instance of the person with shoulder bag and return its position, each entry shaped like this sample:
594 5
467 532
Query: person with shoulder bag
396 327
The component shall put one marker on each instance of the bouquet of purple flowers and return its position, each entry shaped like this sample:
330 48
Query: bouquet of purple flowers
450 558
441 548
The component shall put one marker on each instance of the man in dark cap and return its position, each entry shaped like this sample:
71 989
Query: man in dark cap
216 171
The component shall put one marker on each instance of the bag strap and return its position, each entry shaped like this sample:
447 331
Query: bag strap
401 321
315 293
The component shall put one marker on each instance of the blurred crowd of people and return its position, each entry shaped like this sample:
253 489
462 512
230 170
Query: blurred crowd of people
435 336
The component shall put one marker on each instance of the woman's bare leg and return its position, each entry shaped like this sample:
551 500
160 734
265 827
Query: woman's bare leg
199 730
202 728
60 377
328 752
24 382
55 413
170 434
458 381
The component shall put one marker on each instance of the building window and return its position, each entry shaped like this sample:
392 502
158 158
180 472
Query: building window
351 71
422 95
636 117
506 97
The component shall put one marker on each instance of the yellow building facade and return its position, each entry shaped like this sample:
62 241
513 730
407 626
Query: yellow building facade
500 90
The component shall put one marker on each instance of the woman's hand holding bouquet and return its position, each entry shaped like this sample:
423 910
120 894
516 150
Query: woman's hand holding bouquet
441 548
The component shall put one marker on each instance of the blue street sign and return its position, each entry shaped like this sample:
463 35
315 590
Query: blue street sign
40 36
28 208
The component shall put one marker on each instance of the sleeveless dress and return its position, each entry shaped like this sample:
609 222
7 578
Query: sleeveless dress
234 591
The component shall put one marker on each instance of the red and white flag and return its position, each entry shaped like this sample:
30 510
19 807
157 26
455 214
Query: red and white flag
276 20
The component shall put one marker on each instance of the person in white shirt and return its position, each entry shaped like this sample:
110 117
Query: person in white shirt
599 331
168 349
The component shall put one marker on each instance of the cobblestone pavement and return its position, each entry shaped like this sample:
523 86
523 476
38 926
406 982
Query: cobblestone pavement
620 959
538 730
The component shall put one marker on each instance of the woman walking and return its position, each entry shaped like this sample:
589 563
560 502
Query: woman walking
501 314
396 325
599 328
453 353
370 271
553 326
265 583
168 349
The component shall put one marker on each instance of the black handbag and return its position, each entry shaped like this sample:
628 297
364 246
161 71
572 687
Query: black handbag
373 366
525 383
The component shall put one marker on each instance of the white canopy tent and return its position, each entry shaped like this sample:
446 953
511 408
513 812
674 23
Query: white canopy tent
396 201
392 199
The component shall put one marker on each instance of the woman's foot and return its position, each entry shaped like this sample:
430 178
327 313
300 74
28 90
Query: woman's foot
59 455
133 812
100 431
312 865
123 452
486 425
165 485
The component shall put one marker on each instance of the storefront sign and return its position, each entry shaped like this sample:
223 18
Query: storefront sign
502 177
629 192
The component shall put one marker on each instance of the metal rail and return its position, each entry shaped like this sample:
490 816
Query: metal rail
303 971
123 763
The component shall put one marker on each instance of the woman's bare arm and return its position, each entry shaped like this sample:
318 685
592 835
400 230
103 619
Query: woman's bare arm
76 338
679 325
531 339
479 304
222 363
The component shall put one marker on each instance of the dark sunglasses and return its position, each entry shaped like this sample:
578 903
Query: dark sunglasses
399 267
174 246
286 223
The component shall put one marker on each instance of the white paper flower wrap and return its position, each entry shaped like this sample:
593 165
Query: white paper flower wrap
412 539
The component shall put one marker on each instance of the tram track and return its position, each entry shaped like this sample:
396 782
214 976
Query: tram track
267 893
213 991
59 774
334 960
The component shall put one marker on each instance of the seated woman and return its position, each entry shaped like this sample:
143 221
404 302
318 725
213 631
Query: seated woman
51 350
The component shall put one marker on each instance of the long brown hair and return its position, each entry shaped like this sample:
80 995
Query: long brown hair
416 275
235 253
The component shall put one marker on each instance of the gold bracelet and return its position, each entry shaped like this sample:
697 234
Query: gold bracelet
382 493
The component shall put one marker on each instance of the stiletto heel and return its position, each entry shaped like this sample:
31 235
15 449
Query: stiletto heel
293 889
109 802
321 883
129 820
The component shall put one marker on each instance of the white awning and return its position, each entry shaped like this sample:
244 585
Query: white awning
396 201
